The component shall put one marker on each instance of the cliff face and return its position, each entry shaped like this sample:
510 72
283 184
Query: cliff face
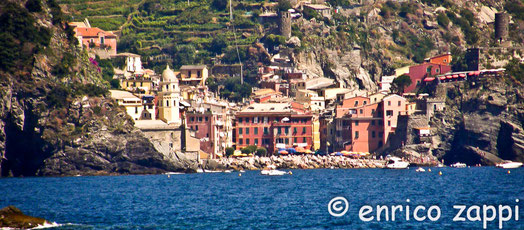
483 122
55 116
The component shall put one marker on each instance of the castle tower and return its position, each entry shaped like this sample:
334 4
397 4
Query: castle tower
169 98
284 25
501 26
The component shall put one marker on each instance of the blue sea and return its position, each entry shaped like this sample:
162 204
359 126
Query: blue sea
254 201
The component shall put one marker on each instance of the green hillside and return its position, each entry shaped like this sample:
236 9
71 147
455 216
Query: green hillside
105 14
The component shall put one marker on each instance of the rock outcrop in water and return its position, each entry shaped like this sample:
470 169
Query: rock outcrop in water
12 217
55 114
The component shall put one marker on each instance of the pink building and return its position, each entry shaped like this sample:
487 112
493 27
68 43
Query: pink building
361 126
93 37
273 126
418 72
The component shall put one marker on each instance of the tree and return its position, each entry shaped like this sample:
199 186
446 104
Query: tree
229 151
218 44
219 5
261 152
283 5
400 83
515 69
252 148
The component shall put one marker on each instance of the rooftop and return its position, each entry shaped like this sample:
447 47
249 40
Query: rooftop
267 107
191 67
93 32
120 94
317 6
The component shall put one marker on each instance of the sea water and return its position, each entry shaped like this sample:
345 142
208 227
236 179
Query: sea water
249 200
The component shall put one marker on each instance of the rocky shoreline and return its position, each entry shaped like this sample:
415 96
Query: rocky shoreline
298 162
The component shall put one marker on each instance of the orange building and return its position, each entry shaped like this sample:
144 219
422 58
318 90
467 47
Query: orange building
361 126
443 59
92 37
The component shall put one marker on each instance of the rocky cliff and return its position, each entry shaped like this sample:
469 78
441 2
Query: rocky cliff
55 114
483 122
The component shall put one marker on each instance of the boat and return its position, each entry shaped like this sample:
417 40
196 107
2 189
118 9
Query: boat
420 169
458 165
396 163
508 165
273 172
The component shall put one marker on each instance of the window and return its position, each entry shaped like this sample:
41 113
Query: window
199 119
279 131
295 131
286 141
167 103
265 120
389 113
373 122
247 130
287 130
239 120
380 134
389 103
389 123
361 111
356 134
365 102
207 119
196 127
256 141
255 119
303 130
266 130
304 140
247 141
255 130
428 70
136 110
240 142
247 119
295 140
398 103
373 134
192 118
372 111
356 123
437 70
380 123
356 103
240 131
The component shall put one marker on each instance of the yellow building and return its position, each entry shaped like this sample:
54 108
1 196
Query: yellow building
193 75
169 98
131 103
316 133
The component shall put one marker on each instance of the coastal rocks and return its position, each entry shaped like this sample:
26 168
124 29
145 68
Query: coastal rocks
482 123
299 162
12 217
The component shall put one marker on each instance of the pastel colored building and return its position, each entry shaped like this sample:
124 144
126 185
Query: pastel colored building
418 72
273 126
212 126
130 102
362 126
94 37
443 59
195 75
169 98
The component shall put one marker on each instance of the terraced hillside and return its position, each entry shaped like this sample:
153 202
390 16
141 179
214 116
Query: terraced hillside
105 14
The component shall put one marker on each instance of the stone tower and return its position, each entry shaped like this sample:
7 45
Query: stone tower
501 26
284 25
169 98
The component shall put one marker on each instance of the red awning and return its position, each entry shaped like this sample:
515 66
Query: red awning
471 73
449 76
462 75
429 79
477 72
442 78
455 75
